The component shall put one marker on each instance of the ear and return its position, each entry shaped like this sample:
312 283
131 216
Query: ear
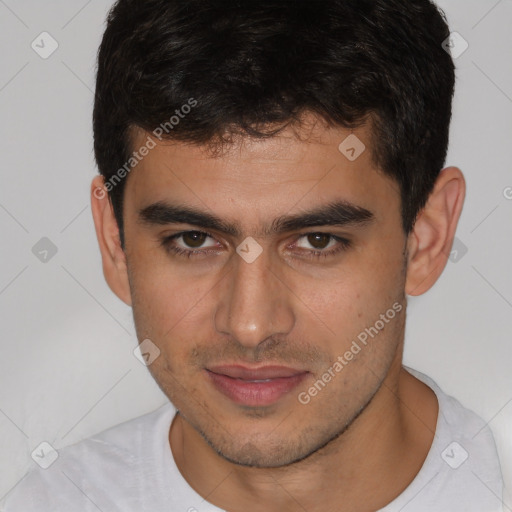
107 231
430 242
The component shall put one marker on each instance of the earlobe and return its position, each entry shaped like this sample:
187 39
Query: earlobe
430 242
107 232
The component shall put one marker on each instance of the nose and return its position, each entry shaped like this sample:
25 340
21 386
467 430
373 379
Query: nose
255 303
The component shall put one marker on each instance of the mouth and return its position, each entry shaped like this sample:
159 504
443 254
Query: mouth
255 387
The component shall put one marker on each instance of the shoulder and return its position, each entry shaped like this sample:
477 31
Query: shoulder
83 472
470 442
463 455
458 422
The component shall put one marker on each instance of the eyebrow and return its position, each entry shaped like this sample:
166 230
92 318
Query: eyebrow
336 213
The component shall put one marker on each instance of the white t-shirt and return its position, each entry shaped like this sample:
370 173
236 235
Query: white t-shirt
130 467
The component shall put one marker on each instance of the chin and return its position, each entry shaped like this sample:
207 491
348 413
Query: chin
262 454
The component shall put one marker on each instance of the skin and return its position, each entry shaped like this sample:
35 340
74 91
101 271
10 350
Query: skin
363 438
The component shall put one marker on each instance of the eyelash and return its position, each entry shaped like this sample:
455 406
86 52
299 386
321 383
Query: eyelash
167 243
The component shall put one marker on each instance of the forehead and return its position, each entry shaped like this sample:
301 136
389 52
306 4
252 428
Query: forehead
256 180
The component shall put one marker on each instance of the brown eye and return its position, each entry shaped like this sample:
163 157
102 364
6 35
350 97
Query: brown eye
194 238
319 240
189 243
322 245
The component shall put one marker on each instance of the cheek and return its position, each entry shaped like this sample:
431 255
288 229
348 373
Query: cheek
171 308
166 306
354 298
162 289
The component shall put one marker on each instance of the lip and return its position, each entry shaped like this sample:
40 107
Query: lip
237 371
255 387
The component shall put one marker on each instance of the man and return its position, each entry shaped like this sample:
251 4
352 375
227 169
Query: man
270 193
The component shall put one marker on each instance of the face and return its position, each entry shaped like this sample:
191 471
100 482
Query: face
279 280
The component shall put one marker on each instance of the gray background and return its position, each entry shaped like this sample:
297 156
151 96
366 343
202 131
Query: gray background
67 367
